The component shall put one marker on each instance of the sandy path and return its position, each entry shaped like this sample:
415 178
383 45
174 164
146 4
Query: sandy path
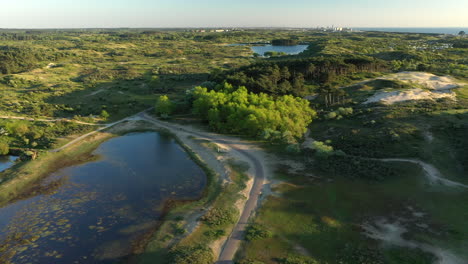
243 150
433 174
49 120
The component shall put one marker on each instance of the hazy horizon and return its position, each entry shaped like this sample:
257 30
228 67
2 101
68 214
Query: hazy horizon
56 14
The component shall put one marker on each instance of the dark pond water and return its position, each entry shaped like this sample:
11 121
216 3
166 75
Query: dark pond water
291 50
261 49
6 162
92 213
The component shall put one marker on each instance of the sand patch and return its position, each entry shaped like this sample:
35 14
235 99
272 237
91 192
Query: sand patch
408 95
392 233
429 80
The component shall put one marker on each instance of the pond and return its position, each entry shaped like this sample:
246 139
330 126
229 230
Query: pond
291 50
6 162
92 212
261 49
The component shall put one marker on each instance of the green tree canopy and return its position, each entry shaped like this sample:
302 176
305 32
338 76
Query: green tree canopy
164 106
231 110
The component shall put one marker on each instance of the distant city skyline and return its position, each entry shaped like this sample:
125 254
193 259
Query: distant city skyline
240 13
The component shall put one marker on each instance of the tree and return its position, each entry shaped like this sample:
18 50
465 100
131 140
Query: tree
461 33
18 128
4 148
164 106
104 114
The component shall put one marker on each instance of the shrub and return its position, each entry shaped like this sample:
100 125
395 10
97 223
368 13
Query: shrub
298 260
250 261
104 115
219 217
191 255
215 233
256 231
345 111
293 148
331 115
4 148
321 149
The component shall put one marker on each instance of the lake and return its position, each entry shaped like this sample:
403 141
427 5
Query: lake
6 162
291 50
261 49
92 212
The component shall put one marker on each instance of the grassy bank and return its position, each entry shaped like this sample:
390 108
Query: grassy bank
22 179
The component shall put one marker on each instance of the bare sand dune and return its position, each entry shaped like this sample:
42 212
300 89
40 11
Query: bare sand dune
438 87
429 80
408 95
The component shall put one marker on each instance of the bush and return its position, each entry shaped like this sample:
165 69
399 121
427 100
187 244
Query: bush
215 234
104 115
339 113
298 260
256 231
345 111
191 255
293 148
219 217
250 261
4 148
321 149
331 115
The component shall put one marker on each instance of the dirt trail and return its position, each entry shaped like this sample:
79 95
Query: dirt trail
432 173
243 150
49 120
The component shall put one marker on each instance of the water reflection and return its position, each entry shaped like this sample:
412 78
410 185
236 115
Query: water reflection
97 209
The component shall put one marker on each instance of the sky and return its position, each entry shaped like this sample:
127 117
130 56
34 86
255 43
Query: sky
232 13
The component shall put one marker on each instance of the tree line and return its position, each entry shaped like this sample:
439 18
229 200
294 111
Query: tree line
290 76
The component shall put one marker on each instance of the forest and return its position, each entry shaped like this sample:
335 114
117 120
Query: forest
295 76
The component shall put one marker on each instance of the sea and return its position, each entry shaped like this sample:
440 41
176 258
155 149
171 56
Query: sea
448 30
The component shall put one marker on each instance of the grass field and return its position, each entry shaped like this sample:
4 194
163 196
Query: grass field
323 219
